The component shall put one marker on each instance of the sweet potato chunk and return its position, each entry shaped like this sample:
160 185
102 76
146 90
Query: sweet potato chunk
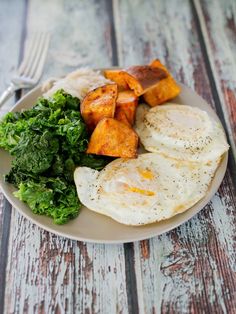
113 138
156 63
140 78
121 116
98 104
164 90
126 105
117 77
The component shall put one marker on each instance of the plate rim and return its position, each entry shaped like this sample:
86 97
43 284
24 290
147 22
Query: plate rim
205 200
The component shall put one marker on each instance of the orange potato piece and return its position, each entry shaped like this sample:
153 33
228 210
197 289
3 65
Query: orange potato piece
117 77
142 77
126 105
156 63
121 116
113 138
164 90
98 104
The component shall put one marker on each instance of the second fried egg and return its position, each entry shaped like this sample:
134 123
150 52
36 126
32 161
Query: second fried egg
181 132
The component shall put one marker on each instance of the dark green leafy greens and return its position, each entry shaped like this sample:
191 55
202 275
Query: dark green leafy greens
48 142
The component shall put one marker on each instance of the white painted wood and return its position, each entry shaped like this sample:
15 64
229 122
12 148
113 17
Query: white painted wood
158 29
1 214
10 34
46 273
11 16
183 266
220 43
80 33
191 269
179 271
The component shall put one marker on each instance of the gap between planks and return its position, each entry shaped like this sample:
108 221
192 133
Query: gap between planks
215 85
131 282
7 208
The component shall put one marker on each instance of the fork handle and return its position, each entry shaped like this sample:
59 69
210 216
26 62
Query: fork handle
7 94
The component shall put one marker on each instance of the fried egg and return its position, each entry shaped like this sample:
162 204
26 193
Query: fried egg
181 132
140 191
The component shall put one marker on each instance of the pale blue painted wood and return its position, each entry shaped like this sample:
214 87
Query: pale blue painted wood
11 22
45 272
191 268
181 268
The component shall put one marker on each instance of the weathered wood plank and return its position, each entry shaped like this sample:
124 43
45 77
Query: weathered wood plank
11 17
188 270
10 33
185 267
81 34
218 25
46 273
191 269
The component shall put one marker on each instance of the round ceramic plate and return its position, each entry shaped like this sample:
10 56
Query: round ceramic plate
92 227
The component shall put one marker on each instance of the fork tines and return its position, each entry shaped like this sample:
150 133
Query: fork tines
35 53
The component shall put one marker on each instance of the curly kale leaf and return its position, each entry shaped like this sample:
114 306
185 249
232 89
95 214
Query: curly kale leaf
94 161
35 152
73 130
47 197
48 142
63 100
11 128
17 175
36 195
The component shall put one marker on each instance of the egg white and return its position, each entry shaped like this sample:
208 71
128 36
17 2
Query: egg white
181 132
140 191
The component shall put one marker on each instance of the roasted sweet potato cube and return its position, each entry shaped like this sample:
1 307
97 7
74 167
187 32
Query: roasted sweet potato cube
164 90
113 138
98 104
126 105
121 116
156 63
140 78
117 77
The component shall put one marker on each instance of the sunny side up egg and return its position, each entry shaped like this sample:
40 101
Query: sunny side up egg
181 132
144 190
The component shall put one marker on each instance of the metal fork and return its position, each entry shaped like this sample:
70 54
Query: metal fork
31 68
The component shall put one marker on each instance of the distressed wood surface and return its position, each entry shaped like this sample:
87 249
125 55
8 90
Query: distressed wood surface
218 25
188 270
46 273
191 269
10 48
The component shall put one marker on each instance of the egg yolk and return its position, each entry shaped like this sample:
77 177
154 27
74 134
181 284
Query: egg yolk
146 174
140 191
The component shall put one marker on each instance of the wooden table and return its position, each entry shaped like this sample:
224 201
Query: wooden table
188 270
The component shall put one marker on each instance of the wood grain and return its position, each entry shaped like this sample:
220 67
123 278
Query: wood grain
81 33
46 273
190 269
49 274
11 17
5 217
218 25
10 33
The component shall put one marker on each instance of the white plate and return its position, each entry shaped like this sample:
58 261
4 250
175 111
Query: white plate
92 227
